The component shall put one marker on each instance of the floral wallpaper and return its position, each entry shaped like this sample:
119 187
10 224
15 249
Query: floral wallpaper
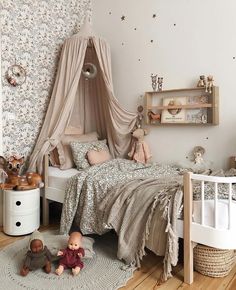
32 35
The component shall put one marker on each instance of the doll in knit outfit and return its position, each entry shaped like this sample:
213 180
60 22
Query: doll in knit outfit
71 256
140 151
37 256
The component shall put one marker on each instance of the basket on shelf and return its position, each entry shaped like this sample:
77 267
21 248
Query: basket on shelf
213 262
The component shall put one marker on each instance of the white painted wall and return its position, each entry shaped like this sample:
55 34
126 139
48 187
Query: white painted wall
190 38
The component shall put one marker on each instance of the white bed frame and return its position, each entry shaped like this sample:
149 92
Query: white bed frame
190 231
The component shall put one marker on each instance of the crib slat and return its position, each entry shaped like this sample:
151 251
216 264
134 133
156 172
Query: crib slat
203 204
216 205
230 207
188 212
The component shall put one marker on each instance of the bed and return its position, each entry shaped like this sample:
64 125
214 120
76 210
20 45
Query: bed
209 222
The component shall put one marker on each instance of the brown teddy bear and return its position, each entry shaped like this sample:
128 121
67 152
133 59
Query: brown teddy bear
140 151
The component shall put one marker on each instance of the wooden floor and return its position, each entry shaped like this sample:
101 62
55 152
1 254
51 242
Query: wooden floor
146 277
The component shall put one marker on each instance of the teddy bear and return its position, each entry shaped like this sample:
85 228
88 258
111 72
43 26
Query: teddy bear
71 256
140 151
209 86
38 255
202 81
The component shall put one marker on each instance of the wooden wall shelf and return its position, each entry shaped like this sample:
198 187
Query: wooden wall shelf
187 106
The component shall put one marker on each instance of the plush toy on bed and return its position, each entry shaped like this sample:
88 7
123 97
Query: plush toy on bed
71 256
140 151
38 255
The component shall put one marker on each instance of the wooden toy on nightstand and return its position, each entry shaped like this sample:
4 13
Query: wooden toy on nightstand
21 211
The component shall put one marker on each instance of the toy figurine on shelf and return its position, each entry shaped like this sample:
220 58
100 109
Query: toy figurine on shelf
14 180
153 117
160 83
154 82
209 85
202 81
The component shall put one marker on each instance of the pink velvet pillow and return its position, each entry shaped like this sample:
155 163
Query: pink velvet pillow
98 157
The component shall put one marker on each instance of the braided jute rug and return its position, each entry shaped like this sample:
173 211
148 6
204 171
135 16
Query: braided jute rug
102 272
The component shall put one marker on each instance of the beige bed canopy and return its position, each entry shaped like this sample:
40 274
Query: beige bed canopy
86 103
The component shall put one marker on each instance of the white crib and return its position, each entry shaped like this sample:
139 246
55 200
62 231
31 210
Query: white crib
212 236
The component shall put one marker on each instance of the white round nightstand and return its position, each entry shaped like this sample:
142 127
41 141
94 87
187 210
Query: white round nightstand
21 211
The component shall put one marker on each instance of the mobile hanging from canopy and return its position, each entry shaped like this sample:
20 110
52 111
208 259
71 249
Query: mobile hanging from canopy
85 102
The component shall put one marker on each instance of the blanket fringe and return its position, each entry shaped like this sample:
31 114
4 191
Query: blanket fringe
141 251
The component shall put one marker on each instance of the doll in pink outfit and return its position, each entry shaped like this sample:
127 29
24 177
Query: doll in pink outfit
71 256
140 151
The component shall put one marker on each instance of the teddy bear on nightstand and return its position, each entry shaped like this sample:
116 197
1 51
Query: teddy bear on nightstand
140 151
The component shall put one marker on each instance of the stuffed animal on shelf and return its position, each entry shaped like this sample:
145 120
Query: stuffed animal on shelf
154 82
71 256
38 256
140 151
202 81
14 180
160 83
209 86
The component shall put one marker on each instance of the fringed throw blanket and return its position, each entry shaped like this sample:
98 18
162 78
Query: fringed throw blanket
123 195
128 209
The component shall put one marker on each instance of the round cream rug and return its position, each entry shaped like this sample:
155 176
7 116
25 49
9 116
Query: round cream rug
104 271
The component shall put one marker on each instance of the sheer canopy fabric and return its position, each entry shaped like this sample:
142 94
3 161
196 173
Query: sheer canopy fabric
88 104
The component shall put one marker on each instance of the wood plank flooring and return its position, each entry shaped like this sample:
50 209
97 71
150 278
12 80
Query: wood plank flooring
146 277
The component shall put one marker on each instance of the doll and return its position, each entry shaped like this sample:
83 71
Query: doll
70 257
38 255
198 153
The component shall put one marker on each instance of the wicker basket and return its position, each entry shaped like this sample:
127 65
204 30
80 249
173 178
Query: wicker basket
213 262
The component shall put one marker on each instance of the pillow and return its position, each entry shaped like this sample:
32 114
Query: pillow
64 149
54 158
98 157
79 151
58 242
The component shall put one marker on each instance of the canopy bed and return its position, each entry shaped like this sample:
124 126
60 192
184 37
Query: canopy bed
82 108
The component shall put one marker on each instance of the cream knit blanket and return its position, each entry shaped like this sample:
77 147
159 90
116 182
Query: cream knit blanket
129 208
